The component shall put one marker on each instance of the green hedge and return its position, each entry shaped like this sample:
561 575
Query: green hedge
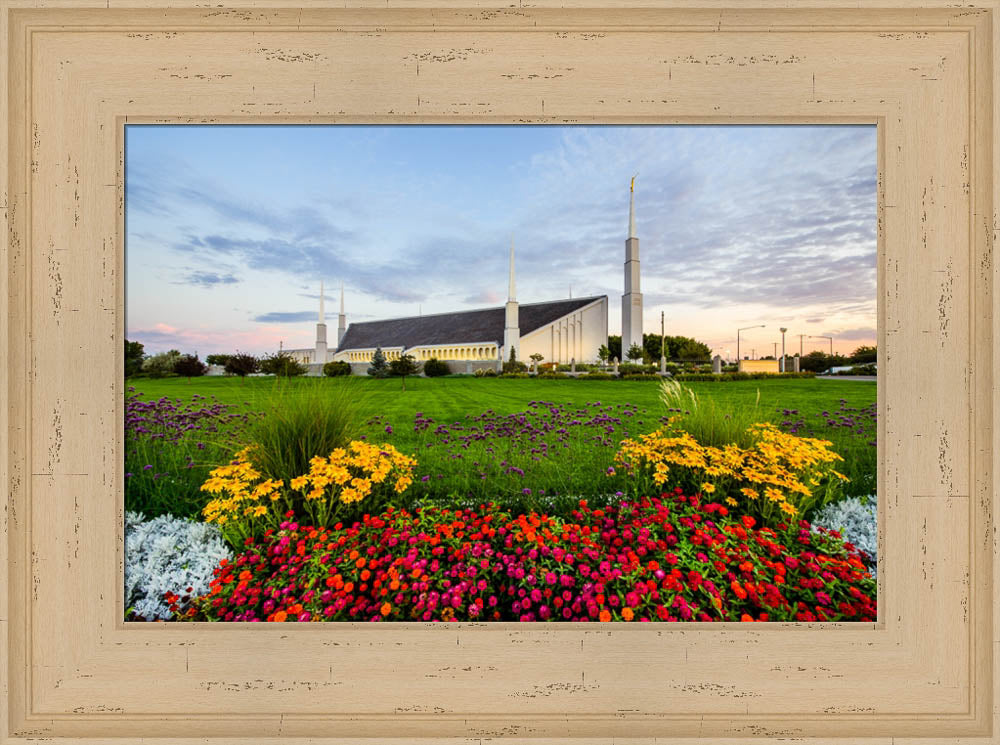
730 377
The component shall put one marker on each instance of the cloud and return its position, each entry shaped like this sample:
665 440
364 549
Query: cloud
208 279
290 317
485 297
858 334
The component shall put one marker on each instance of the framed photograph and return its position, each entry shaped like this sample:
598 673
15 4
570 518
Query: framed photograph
227 520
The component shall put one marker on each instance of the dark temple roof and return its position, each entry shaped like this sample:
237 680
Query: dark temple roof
462 327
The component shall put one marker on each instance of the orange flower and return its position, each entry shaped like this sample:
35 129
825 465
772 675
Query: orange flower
746 617
627 614
280 616
386 609
605 615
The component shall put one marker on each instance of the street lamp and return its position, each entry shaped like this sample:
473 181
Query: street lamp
738 358
781 368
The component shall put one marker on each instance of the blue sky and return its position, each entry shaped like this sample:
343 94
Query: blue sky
231 228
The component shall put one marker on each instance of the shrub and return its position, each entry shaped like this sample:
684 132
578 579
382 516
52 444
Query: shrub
485 372
336 369
242 364
778 474
598 375
435 368
189 366
552 375
669 558
641 376
630 368
359 478
283 365
728 377
513 365
167 556
516 375
299 420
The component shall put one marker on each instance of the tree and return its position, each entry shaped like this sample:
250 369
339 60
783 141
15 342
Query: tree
405 364
536 358
378 368
635 352
512 365
864 355
337 368
282 364
691 349
603 353
161 364
218 359
615 348
190 366
819 361
242 365
435 368
134 355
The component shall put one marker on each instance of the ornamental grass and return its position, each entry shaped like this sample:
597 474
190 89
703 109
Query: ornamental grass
667 558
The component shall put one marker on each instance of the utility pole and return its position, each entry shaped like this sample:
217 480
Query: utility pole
801 337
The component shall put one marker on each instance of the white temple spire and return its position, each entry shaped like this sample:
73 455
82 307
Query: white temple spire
511 331
511 296
631 209
632 299
321 348
341 319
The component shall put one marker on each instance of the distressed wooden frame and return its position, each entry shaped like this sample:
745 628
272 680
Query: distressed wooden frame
75 71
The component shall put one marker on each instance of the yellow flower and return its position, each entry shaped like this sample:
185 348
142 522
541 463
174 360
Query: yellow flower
787 508
708 488
298 482
732 502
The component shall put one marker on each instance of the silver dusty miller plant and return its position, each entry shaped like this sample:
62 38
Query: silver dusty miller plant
855 519
164 554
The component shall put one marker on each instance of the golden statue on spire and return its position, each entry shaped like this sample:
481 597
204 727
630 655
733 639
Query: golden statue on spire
631 186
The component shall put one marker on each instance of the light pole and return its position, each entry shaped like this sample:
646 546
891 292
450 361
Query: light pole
758 326
781 368
775 345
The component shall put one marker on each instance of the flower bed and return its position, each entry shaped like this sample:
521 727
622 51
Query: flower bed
668 558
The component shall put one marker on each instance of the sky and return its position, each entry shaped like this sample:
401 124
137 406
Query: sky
229 229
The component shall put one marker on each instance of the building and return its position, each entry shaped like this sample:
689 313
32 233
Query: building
561 331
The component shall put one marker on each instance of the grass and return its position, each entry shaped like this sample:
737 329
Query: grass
470 448
451 398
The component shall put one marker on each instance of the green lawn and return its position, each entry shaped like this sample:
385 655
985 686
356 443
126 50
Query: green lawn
450 399
575 462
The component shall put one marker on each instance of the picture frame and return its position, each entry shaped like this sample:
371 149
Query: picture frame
75 72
